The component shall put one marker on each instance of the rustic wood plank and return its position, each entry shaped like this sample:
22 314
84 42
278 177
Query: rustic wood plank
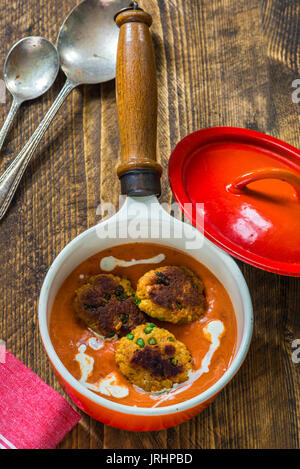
220 62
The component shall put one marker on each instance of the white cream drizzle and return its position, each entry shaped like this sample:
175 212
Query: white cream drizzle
101 337
213 332
96 343
86 363
110 263
107 386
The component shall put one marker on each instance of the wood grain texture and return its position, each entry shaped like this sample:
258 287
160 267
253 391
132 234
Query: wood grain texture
219 62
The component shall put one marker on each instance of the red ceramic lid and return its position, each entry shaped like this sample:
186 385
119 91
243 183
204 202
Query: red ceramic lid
249 184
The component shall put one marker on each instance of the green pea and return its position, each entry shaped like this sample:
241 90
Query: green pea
152 325
130 336
171 339
152 341
148 330
140 343
137 300
174 361
178 305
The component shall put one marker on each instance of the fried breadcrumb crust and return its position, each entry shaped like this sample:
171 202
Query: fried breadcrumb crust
171 293
158 364
106 305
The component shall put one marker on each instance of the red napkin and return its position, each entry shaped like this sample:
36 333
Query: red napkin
32 415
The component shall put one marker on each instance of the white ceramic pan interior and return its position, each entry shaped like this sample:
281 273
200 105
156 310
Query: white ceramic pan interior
142 213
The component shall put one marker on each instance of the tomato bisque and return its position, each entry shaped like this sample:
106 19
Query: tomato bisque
210 338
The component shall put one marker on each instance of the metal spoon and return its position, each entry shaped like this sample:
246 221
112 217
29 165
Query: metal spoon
87 47
30 69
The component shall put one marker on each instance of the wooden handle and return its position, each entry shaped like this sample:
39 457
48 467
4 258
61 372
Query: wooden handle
137 104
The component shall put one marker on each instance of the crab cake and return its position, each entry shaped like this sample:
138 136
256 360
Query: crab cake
171 293
152 358
106 305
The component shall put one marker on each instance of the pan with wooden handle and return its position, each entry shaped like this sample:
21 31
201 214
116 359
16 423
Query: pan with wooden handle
140 219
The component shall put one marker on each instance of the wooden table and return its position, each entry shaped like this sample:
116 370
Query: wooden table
220 62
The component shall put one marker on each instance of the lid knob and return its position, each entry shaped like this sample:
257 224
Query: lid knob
265 173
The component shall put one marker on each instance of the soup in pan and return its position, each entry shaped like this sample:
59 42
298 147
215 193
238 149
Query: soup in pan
144 325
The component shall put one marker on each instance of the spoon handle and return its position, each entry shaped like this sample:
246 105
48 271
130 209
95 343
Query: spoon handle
9 120
10 179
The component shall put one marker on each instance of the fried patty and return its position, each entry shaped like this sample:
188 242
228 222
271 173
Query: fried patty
171 293
106 305
152 358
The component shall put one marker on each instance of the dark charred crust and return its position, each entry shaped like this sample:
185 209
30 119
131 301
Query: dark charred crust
115 316
174 288
162 279
169 350
119 290
94 294
151 359
124 318
104 285
104 307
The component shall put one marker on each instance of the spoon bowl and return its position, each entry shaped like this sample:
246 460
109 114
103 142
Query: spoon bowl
87 42
31 67
87 46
